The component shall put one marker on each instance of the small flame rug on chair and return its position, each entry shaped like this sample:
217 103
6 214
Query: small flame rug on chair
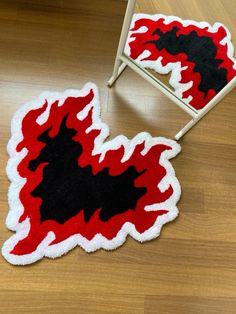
198 56
70 186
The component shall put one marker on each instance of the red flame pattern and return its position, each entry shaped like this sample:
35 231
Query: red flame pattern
137 44
89 130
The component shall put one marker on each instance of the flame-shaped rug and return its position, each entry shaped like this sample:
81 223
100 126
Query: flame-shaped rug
70 186
198 56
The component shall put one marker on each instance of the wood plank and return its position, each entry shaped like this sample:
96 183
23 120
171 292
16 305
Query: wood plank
54 45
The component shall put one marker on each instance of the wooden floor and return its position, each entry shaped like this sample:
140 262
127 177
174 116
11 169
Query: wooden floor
191 268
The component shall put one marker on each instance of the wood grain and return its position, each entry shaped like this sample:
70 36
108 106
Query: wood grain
191 268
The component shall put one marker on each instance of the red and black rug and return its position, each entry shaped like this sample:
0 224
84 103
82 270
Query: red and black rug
198 56
70 186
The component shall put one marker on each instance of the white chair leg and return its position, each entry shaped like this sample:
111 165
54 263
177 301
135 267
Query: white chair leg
208 107
187 127
118 69
119 65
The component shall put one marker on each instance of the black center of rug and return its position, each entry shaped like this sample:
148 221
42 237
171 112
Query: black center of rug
67 188
200 50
